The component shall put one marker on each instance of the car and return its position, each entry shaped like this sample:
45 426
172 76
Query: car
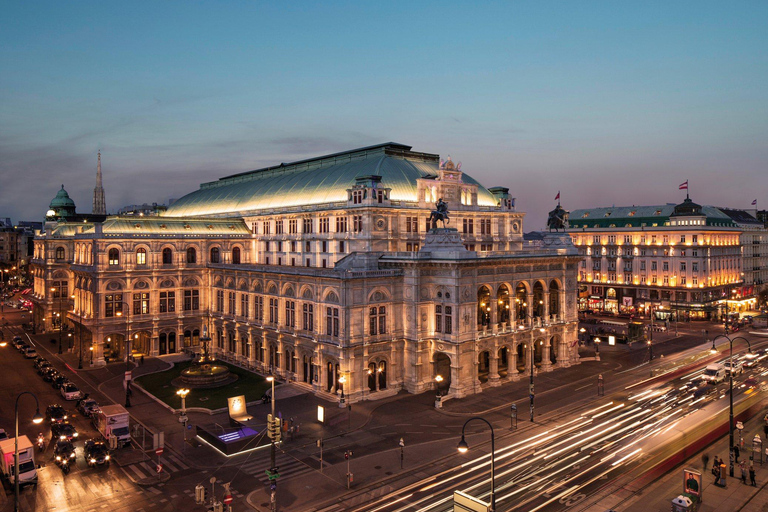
59 381
49 374
17 342
38 360
56 413
64 452
750 360
87 406
30 353
62 431
736 365
43 368
70 392
96 453
22 347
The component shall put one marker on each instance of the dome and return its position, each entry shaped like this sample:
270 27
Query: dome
61 205
317 181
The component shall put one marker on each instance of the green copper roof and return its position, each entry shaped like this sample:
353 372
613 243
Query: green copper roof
316 181
174 227
638 216
62 200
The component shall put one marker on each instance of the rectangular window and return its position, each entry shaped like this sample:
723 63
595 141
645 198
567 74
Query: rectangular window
220 301
307 225
325 246
292 227
258 308
341 224
357 223
244 305
167 302
485 226
141 303
290 314
332 321
265 227
357 197
654 280
438 318
325 225
448 320
654 265
469 226
113 304
308 317
411 224
665 266
595 239
191 300
611 239
695 238
341 246
627 239
627 278
666 239
279 227
695 266
683 280
695 281
273 311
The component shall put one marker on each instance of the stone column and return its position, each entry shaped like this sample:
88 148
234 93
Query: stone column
545 308
546 363
493 368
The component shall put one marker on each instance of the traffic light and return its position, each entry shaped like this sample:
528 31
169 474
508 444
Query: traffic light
277 429
270 433
200 494
273 428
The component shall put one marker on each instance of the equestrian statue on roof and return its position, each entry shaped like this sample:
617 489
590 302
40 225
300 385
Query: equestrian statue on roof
440 213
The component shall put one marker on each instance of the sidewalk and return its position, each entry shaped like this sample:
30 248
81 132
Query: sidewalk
735 496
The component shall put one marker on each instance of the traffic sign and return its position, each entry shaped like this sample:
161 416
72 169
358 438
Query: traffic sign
159 451
228 499
159 468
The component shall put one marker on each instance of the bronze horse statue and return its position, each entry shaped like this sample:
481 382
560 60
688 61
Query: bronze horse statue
440 213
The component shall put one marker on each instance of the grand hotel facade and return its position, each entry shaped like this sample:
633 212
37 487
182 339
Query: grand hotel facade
325 271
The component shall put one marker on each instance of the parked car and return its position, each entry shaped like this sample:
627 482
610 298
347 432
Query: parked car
59 381
96 453
87 406
44 367
70 392
22 347
30 353
49 374
63 431
56 413
735 365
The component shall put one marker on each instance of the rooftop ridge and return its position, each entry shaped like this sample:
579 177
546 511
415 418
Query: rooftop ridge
393 149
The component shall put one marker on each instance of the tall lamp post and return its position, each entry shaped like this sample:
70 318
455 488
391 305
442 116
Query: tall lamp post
464 447
271 378
127 357
730 389
79 332
183 418
61 318
37 419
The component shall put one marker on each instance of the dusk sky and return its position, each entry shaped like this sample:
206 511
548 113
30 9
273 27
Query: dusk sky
608 102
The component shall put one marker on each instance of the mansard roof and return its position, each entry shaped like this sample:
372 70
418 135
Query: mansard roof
318 180
639 216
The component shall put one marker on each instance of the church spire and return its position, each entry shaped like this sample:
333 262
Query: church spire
99 206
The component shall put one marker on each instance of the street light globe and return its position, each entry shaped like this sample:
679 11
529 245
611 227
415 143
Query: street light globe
182 392
463 447
439 378
37 418
270 378
3 343
342 379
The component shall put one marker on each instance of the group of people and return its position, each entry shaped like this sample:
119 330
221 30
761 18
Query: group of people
718 465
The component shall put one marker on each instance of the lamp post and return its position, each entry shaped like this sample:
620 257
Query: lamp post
342 380
61 318
79 333
273 486
127 356
183 418
597 349
439 380
37 419
730 389
530 386
91 350
464 447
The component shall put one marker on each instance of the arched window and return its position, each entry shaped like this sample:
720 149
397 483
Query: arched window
215 255
191 255
114 257
483 307
60 253
167 256
141 256
236 255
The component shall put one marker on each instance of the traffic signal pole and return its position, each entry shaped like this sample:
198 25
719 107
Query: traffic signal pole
273 483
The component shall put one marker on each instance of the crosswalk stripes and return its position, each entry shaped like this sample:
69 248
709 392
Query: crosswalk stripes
288 467
144 469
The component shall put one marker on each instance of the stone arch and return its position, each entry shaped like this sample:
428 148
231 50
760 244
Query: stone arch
257 286
218 281
61 274
306 292
379 294
191 254
60 253
229 283
538 351
378 373
215 254
522 356
271 288
191 282
554 297
236 255
331 296
441 363
142 284
483 307
115 285
521 300
242 285
503 306
167 254
169 282
288 290
538 299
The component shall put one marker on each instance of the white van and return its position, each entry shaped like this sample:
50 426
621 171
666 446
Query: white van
714 373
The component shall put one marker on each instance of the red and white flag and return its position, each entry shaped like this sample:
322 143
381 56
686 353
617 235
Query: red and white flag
754 203
557 196
684 185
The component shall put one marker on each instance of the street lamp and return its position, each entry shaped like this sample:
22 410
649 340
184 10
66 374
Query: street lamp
730 389
439 380
342 380
127 357
61 318
597 349
79 333
530 390
183 394
463 447
36 419
273 486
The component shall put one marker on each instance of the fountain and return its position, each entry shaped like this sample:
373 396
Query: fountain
205 373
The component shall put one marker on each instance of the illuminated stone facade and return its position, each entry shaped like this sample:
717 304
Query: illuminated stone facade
342 288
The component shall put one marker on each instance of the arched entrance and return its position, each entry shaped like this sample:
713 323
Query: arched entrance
483 308
503 362
554 298
502 305
483 366
141 343
522 356
538 299
538 351
553 347
443 369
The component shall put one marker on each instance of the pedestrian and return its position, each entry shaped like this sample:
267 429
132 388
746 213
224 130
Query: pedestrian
705 461
142 360
752 475
715 465
743 468
736 453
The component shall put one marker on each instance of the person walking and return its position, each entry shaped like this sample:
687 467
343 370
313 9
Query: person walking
142 360
743 468
705 460
752 475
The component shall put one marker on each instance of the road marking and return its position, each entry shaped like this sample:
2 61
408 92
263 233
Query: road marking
582 387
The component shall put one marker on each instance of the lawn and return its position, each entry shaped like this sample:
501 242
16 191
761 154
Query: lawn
249 384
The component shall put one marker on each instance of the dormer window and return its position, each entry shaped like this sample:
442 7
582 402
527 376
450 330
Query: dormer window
357 197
